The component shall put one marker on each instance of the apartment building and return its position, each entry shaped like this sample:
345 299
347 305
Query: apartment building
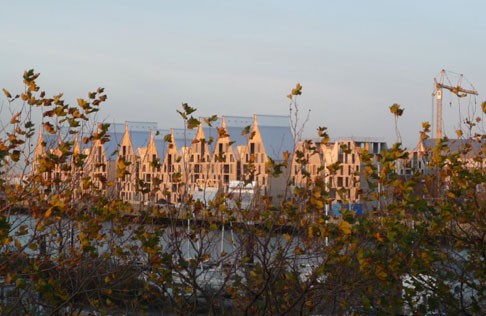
141 163
339 164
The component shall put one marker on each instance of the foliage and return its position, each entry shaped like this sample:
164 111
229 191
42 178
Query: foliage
68 245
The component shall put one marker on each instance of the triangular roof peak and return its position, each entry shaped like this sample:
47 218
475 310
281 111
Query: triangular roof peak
223 122
200 131
76 148
151 139
126 131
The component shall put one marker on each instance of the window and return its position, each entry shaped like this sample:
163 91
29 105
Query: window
375 148
252 148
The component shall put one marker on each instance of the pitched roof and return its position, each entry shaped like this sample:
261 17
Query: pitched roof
235 126
183 137
457 145
160 143
139 135
276 135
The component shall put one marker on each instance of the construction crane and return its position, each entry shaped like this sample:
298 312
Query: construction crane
458 90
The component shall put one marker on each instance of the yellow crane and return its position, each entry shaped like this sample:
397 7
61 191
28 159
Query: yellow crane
458 90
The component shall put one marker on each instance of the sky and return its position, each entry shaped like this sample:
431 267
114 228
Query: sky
354 59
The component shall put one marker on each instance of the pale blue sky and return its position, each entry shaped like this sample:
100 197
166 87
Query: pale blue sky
353 58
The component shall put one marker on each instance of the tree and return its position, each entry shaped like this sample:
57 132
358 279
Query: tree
68 243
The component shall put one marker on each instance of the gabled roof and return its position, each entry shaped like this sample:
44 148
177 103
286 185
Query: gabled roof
456 145
139 139
51 141
235 126
139 135
160 143
183 137
115 133
212 131
276 134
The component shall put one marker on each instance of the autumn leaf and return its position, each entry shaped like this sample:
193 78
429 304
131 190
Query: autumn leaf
8 279
297 90
192 123
378 237
48 212
15 118
222 132
7 94
49 128
168 138
345 227
246 130
396 110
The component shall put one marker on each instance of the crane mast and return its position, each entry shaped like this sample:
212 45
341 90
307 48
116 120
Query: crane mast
458 90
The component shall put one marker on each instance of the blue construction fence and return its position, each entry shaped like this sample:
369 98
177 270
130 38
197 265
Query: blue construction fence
355 207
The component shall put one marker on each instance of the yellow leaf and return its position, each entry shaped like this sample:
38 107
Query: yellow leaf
311 232
287 237
48 212
345 227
